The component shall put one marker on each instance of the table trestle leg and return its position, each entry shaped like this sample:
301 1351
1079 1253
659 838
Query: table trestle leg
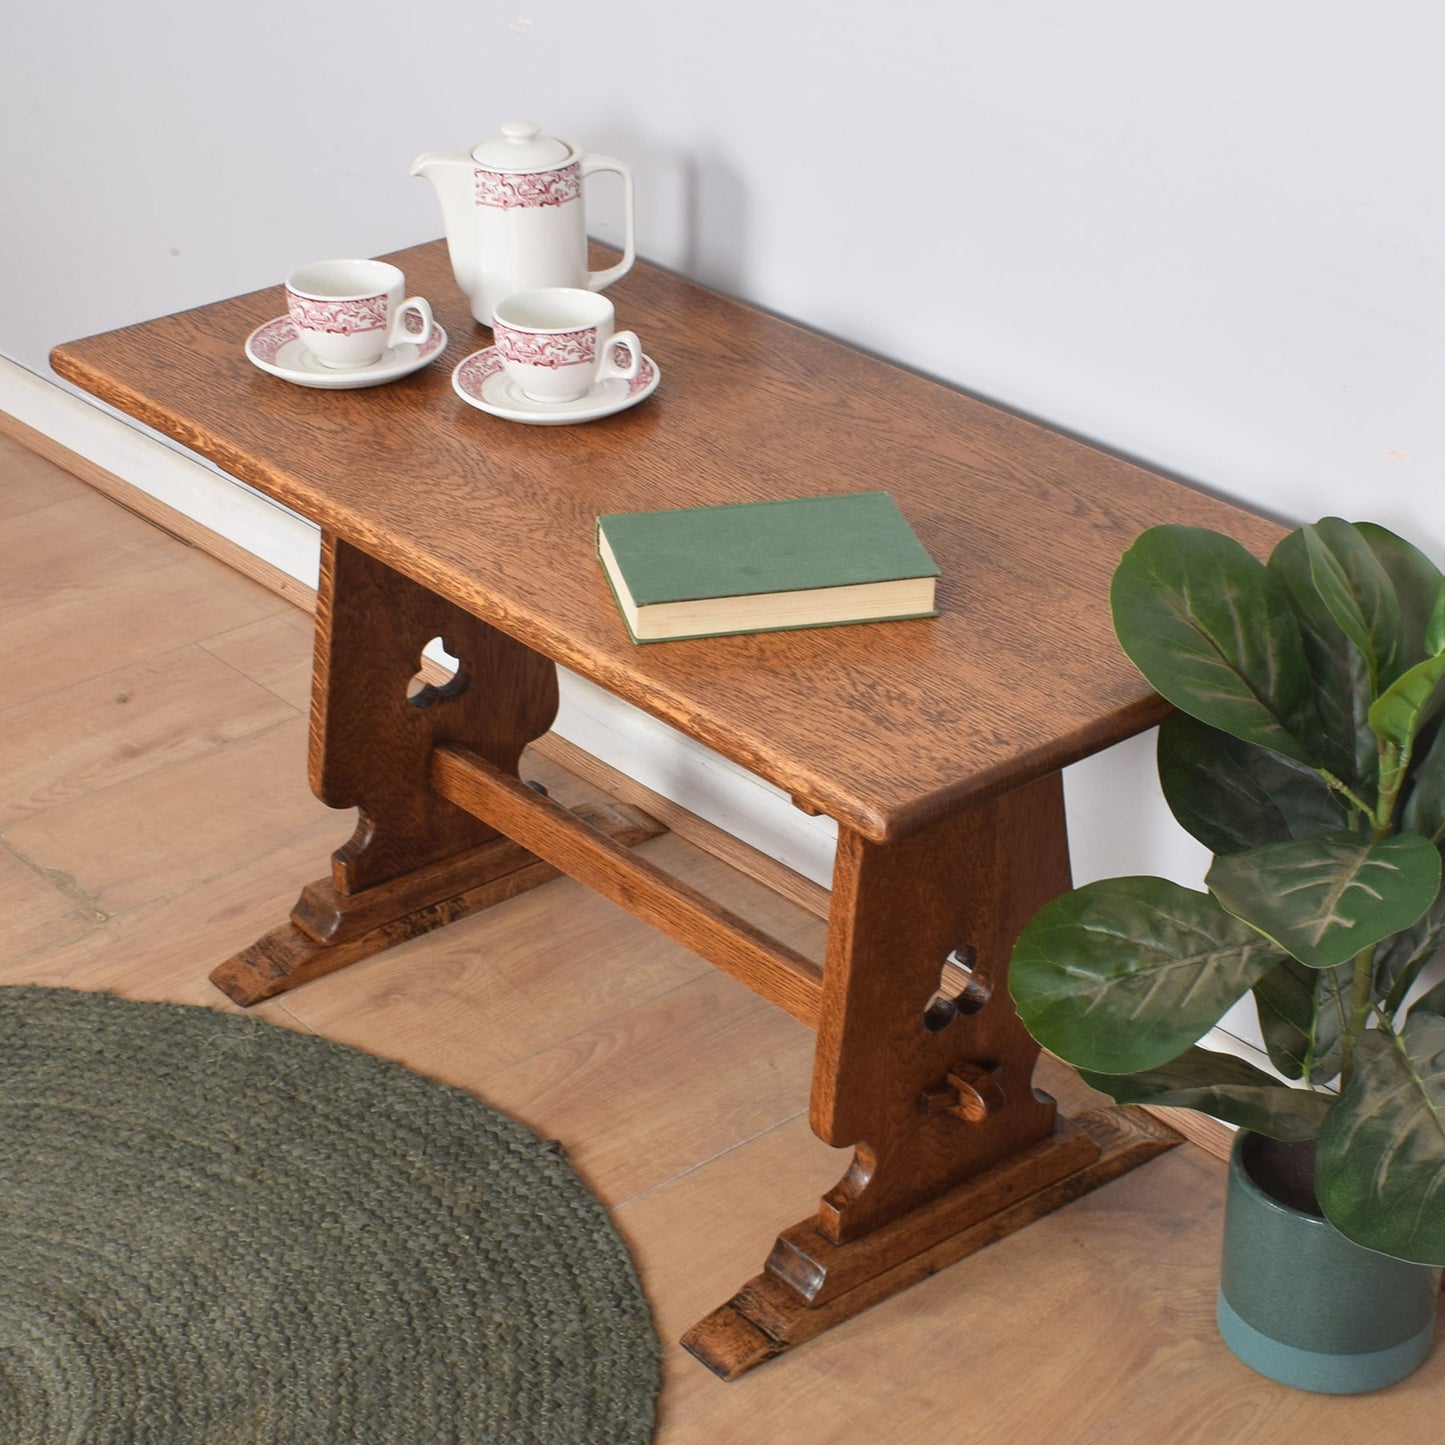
923 1067
415 861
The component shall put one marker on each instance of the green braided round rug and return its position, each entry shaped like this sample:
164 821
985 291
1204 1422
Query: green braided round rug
217 1230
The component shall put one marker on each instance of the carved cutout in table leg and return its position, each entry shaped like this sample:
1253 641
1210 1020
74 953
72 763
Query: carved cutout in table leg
897 1075
415 861
923 1067
371 745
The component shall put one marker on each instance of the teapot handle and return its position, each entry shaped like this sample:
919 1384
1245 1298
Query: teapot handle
596 280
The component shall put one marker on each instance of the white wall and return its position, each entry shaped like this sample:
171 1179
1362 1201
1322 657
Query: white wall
1212 237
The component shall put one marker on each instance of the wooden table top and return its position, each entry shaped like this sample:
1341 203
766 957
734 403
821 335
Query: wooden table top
885 726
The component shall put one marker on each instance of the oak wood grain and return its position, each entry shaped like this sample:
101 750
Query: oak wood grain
371 742
780 974
329 930
885 727
812 1283
778 877
936 745
967 883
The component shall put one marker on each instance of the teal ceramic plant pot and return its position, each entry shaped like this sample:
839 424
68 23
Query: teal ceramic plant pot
1300 1303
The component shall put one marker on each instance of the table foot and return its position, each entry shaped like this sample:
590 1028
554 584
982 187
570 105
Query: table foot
811 1283
329 929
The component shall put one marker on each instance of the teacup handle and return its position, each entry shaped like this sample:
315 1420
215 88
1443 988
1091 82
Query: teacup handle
598 280
400 333
621 356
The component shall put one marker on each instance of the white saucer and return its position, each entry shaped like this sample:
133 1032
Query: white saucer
480 381
276 348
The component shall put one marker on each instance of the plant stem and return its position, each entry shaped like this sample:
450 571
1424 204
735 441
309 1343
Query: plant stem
1362 995
1360 1002
1341 787
1394 764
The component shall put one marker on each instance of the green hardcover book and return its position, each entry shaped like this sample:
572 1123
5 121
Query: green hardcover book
765 566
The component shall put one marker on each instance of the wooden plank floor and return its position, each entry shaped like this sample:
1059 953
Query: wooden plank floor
154 816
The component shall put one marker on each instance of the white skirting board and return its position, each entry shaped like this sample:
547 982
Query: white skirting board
176 479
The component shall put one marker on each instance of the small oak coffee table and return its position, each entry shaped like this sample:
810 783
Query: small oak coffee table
936 745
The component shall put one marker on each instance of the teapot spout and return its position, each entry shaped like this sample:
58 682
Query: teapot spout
450 173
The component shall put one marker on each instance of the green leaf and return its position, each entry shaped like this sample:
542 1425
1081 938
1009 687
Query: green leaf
1424 792
1431 1002
1357 592
1123 974
1233 795
1417 584
1333 723
1401 958
1302 1012
1224 1087
1380 1167
1435 627
1323 900
1211 631
1409 702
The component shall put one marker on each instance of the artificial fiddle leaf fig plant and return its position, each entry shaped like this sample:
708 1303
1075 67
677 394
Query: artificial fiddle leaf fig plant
1308 755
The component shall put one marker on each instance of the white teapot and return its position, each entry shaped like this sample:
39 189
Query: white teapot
514 217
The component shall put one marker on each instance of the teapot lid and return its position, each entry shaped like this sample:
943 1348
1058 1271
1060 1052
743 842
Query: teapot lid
522 147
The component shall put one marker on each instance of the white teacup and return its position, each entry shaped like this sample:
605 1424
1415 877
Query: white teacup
350 312
556 343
